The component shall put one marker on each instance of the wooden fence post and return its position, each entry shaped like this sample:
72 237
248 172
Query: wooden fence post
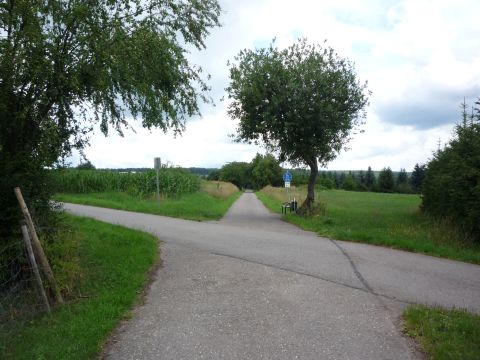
38 279
37 247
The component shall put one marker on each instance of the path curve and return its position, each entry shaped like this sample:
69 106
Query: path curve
253 287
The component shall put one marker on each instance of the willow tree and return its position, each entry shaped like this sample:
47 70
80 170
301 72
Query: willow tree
68 65
302 102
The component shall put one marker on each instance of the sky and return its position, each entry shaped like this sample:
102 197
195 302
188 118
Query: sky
421 59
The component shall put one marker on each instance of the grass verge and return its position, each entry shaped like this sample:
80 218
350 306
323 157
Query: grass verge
197 206
444 334
114 262
392 220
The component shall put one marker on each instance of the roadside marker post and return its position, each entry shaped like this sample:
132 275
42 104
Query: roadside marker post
157 163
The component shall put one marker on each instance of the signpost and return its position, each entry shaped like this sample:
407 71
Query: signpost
157 163
287 178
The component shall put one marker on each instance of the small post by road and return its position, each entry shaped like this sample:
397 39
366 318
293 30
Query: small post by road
33 263
37 248
157 162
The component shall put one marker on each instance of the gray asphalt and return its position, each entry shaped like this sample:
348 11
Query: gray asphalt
253 287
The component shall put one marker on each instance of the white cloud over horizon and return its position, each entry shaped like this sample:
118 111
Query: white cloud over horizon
421 58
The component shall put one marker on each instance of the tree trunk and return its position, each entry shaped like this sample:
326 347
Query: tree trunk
307 205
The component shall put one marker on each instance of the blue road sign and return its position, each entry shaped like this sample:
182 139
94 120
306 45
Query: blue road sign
287 177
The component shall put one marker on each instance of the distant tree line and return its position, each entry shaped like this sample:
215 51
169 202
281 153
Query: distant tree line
265 170
379 181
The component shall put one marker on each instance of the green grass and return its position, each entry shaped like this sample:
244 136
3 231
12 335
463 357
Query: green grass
114 263
392 220
197 206
444 334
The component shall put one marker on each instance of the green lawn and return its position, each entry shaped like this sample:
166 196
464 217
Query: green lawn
444 334
197 206
114 263
392 220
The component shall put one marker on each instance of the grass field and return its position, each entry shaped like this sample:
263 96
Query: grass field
392 220
210 203
114 262
444 334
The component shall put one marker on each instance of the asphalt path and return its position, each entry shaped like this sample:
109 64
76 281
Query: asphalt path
253 287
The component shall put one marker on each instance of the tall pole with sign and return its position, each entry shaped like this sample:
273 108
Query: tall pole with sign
287 178
157 164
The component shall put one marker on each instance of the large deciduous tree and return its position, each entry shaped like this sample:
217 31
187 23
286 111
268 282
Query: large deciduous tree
301 102
265 170
67 65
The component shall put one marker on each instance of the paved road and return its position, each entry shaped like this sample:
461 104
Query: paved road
253 287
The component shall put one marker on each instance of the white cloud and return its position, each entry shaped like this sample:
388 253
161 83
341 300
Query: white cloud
205 143
420 58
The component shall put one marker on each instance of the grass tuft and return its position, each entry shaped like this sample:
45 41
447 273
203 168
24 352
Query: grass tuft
444 334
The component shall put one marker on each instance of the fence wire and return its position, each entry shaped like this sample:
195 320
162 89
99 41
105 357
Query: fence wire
19 297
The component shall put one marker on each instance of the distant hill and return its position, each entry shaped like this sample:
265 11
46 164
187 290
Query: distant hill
201 171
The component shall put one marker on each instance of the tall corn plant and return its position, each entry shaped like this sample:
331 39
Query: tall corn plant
173 182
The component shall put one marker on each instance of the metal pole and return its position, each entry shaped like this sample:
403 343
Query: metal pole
157 164
158 187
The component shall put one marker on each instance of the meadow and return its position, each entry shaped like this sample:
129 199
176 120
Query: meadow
392 220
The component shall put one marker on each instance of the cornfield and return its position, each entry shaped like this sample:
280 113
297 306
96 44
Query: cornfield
173 182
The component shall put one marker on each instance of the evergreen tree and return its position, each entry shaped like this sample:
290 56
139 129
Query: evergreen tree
451 187
360 180
349 183
402 185
361 177
385 180
416 180
370 179
402 177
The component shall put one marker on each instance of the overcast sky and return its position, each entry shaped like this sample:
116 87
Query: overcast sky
420 58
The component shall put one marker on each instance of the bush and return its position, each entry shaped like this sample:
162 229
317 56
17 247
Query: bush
451 188
238 173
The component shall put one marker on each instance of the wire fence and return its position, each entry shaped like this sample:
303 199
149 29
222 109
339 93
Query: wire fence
19 296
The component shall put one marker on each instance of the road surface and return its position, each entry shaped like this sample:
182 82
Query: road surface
253 287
